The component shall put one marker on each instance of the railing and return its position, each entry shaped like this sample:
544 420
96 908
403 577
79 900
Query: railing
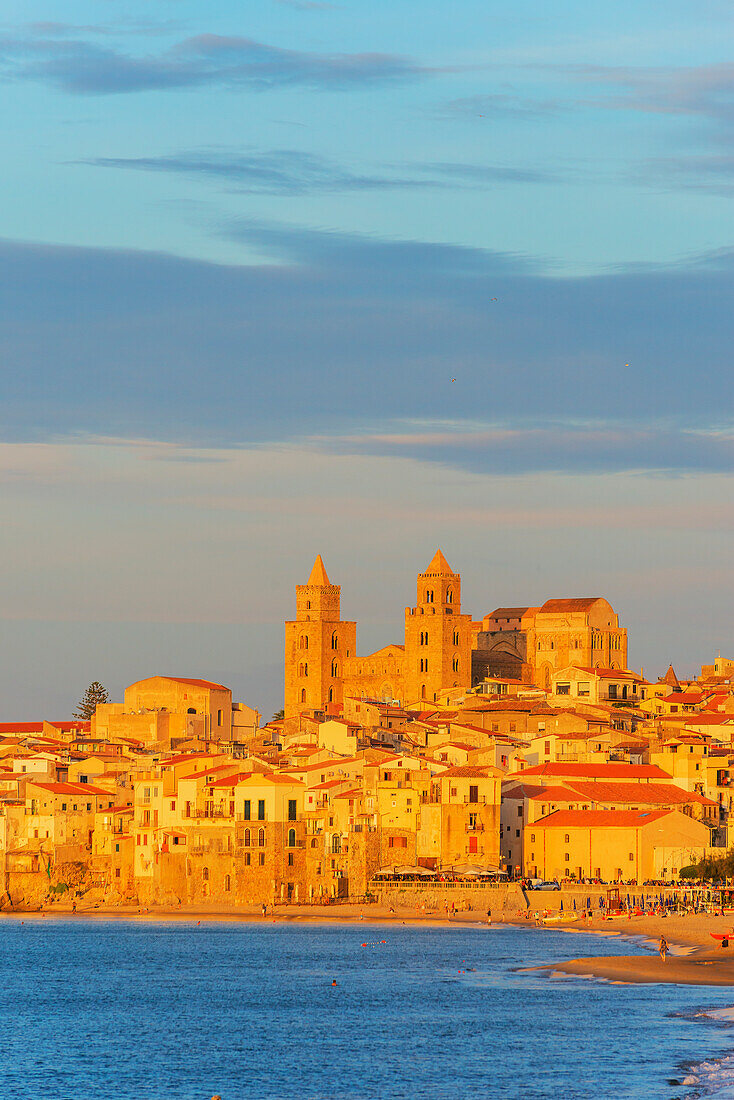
479 801
477 827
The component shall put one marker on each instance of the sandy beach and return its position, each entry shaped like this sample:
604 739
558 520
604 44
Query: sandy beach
695 959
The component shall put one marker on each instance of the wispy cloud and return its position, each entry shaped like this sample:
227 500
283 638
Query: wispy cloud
86 68
296 172
620 370
704 90
563 447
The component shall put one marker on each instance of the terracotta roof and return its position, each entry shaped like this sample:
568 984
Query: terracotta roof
598 819
72 788
469 771
595 771
576 603
555 794
660 794
208 684
669 678
608 673
508 612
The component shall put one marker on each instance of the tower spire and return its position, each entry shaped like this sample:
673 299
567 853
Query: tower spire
439 564
318 573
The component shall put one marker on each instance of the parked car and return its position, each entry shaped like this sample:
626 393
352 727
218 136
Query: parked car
539 884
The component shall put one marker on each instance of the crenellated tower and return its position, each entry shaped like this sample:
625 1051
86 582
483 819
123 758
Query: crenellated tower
438 638
317 642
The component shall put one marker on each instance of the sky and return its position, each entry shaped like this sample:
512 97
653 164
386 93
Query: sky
358 279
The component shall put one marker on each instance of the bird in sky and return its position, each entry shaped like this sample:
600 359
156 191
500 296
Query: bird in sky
453 379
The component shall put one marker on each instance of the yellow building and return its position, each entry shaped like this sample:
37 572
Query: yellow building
317 642
167 709
613 845
438 638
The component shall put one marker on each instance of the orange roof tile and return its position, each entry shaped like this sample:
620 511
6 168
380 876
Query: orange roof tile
598 819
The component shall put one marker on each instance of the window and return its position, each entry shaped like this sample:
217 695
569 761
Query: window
303 695
456 637
455 663
205 874
261 839
474 793
262 859
567 858
547 748
632 857
532 837
566 839
334 668
292 809
261 810
513 727
473 848
247 809
331 695
290 859
227 882
519 810
563 689
495 727
117 872
612 691
583 688
449 596
220 714
246 839
334 641
291 838
303 641
397 842
247 859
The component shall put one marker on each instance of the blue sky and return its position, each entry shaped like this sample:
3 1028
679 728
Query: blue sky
358 279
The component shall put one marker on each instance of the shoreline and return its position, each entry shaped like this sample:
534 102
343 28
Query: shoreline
695 958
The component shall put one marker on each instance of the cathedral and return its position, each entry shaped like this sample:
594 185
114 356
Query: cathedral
443 648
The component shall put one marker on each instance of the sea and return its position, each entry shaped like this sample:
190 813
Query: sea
108 1009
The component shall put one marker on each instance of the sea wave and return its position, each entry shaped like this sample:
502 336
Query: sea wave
714 1077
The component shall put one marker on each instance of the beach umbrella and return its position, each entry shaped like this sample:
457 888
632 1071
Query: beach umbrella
574 905
588 902
601 903
561 908
628 902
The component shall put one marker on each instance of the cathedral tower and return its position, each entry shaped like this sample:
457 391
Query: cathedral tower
438 638
316 644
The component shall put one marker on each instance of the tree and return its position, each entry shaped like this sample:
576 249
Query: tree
93 696
278 715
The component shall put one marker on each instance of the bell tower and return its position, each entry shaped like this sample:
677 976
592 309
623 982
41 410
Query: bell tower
438 638
317 642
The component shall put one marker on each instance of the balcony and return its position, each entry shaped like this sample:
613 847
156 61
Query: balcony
477 827
480 801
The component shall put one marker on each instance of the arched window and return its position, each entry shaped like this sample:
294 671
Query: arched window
303 695
331 695
334 668
205 874
246 839
303 641
449 595
261 838
191 710
455 663
227 882
334 640
423 691
291 838
456 637
305 669
429 595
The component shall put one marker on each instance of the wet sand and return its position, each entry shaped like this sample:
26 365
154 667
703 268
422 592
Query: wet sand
695 959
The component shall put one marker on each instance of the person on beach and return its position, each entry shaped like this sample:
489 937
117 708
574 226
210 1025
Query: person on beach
663 948
489 916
